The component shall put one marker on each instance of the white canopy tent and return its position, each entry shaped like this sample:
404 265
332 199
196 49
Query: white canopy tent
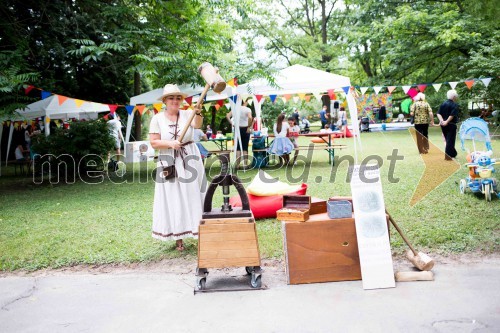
300 79
51 108
152 97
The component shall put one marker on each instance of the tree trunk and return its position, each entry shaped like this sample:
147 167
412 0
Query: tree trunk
137 115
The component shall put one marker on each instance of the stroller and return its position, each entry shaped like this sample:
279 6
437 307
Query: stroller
260 157
480 164
364 124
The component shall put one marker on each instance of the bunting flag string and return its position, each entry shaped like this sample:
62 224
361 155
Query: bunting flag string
259 97
234 98
158 106
376 89
112 107
130 109
78 102
272 98
486 81
469 84
453 84
406 88
363 90
422 87
437 86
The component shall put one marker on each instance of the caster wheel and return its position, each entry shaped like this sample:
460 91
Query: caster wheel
201 284
256 281
249 269
463 185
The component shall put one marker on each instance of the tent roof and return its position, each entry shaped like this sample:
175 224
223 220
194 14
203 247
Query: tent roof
152 96
50 106
296 79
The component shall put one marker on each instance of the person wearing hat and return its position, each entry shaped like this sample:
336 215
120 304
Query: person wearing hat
179 195
115 128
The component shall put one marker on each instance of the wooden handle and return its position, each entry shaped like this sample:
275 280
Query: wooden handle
414 276
197 106
401 233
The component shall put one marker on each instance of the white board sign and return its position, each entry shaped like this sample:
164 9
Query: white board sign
371 227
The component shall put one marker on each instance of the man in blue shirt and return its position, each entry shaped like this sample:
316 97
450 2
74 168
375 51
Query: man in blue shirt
322 116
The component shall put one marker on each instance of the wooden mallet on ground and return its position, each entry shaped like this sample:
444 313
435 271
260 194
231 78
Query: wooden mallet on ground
414 276
211 76
420 260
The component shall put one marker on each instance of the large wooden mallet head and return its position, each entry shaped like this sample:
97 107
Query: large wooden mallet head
212 77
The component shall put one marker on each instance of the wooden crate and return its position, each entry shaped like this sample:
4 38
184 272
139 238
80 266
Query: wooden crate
230 242
321 250
295 208
318 206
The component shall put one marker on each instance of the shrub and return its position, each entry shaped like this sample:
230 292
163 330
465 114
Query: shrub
83 147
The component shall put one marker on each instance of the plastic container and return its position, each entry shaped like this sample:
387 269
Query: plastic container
339 209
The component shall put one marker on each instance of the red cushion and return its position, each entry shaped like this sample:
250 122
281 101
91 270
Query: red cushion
266 207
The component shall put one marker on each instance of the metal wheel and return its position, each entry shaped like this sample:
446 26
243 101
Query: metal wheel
487 192
256 281
249 269
463 186
201 284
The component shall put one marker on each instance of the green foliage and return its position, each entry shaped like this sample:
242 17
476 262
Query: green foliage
83 147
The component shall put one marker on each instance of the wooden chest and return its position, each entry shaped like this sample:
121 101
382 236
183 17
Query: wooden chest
295 208
318 206
321 250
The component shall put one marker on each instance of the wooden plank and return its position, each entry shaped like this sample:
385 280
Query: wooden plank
235 262
218 228
230 254
227 220
229 245
228 236
321 251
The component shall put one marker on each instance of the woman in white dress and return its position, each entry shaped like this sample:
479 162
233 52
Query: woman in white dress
178 201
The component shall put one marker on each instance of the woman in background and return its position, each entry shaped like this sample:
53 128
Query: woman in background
293 135
281 146
422 113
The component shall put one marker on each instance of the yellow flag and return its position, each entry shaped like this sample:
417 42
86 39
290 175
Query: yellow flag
79 102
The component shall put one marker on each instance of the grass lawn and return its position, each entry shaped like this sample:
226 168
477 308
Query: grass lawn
110 222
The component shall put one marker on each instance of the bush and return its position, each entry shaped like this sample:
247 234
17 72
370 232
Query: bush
83 147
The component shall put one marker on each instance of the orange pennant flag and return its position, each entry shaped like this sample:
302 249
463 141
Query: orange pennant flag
307 98
217 107
61 99
140 108
287 97
78 102
331 93
469 84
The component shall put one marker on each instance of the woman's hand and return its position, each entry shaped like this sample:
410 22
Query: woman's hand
175 144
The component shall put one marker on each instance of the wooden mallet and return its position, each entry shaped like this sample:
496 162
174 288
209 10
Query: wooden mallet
420 260
211 76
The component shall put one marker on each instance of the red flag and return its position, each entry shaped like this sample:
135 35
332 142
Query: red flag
331 93
189 100
235 81
259 97
220 102
112 107
422 87
28 89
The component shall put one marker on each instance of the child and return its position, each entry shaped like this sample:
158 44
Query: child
209 132
281 146
293 135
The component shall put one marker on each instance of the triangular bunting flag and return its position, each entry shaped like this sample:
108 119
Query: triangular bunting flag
302 96
331 93
377 89
437 86
78 102
391 89
235 81
422 87
129 108
412 92
296 99
273 98
307 98
157 106
61 99
28 89
220 103
231 82
317 95
486 81
189 100
469 83
112 108
156 111
287 97
227 105
406 88
453 84
284 100
217 107
250 101
140 108
233 98
259 97
207 106
363 90
346 89
47 119
45 94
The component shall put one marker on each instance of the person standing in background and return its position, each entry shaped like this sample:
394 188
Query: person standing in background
448 118
243 126
115 128
422 113
322 116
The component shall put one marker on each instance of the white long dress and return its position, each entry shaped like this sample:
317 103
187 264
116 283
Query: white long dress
178 203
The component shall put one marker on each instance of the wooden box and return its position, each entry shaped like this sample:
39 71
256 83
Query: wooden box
295 208
228 242
318 206
321 250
